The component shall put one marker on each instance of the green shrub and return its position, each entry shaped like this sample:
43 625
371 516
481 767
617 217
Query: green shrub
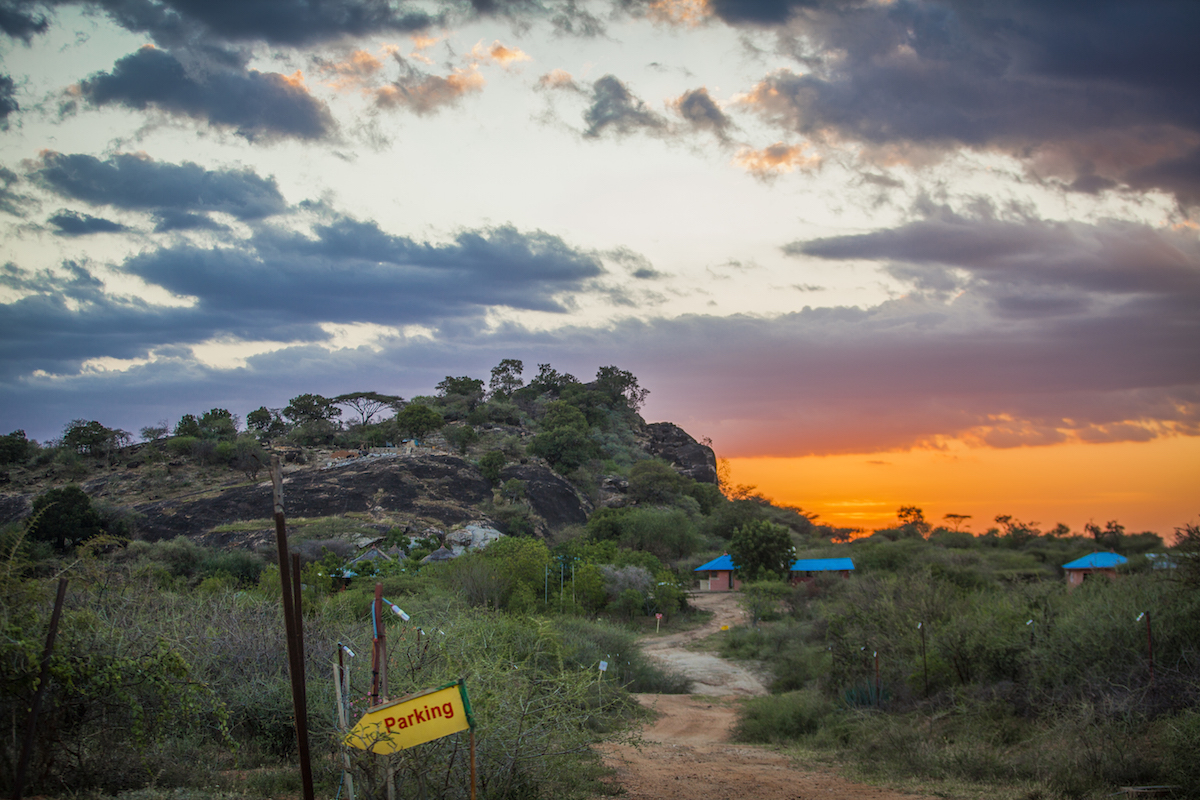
782 718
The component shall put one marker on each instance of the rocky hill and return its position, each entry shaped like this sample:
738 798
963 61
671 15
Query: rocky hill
423 490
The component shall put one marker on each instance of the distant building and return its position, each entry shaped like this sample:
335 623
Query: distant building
1089 566
806 569
717 575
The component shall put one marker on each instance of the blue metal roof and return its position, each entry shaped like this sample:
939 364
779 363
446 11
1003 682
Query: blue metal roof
800 565
724 562
822 564
1096 561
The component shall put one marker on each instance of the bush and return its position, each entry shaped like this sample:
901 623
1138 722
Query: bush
782 718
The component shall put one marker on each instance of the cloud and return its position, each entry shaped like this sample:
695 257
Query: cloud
355 71
423 94
779 157
498 54
17 23
1092 96
10 201
558 79
138 182
8 101
1037 263
73 223
281 286
615 108
256 105
292 23
702 113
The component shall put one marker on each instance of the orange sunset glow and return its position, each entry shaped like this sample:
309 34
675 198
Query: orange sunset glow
1143 485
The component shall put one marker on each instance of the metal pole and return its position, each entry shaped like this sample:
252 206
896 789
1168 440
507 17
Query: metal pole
295 657
1150 646
924 660
877 694
43 680
472 735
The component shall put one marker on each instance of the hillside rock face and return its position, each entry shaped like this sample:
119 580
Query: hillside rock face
550 495
672 443
429 491
438 488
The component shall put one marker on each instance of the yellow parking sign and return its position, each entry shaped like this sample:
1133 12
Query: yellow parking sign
413 719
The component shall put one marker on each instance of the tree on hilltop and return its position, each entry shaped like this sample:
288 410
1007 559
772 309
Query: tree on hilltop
368 404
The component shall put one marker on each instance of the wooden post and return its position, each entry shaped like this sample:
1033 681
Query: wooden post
43 679
295 656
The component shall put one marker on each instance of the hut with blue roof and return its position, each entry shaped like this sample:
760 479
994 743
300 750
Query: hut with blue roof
718 575
1081 569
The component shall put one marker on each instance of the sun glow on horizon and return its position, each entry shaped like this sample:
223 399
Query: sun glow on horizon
1143 485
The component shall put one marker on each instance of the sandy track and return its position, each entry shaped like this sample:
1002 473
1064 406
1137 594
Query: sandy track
687 752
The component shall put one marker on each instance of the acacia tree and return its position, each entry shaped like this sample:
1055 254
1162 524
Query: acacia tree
762 549
368 404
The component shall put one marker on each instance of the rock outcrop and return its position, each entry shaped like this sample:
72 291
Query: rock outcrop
672 443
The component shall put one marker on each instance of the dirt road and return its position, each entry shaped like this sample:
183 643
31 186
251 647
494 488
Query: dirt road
687 752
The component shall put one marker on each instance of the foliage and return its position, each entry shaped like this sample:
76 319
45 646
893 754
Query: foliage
620 387
506 378
304 409
655 481
762 550
460 437
782 718
417 420
89 437
490 465
15 448
266 423
64 517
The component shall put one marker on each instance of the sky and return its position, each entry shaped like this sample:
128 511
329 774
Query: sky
931 252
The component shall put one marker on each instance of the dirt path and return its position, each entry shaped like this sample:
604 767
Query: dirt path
688 753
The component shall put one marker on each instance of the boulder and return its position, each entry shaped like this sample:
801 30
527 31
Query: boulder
672 443
474 536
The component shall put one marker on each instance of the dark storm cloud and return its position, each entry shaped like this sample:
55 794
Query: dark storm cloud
140 183
354 272
280 286
702 112
18 21
73 223
284 22
1005 261
256 105
614 108
172 220
8 101
10 201
1085 92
